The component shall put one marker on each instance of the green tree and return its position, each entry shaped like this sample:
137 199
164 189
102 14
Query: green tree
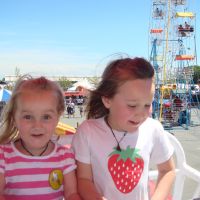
65 83
196 75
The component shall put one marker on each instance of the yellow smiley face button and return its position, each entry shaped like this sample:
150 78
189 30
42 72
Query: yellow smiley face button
56 179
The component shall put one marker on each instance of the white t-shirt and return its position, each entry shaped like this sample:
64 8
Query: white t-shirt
116 179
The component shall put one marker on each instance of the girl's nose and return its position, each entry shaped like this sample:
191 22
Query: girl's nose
37 127
37 123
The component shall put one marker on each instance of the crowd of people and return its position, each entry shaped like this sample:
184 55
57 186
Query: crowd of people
72 104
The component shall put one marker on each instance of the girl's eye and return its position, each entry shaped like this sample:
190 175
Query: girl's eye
147 106
46 117
27 117
132 106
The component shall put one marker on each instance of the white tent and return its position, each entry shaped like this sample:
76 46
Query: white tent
84 83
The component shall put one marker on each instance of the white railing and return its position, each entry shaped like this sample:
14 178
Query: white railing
183 171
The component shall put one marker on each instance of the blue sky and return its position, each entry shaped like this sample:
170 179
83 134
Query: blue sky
73 38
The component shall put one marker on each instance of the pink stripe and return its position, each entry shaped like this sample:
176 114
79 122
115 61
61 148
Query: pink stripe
32 171
67 166
2 167
23 185
1 156
36 197
62 147
52 159
6 148
67 155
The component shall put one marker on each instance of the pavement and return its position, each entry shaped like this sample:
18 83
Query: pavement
189 139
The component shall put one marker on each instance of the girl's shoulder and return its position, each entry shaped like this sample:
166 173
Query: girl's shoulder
153 123
92 123
152 126
91 127
59 146
6 152
6 147
61 149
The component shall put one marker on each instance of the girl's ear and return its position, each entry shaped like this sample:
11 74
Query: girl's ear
106 101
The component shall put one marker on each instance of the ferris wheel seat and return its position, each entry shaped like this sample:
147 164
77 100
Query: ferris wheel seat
158 30
178 2
191 29
184 57
185 14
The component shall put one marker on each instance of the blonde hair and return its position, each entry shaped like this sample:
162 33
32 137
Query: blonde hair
8 130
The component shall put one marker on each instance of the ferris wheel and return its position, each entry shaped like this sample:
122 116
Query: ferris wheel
173 55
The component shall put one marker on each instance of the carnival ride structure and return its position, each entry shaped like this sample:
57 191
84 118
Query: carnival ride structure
173 55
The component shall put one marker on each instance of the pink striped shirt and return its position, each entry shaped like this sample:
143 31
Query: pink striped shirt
28 177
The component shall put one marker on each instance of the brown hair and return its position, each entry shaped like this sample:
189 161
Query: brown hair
115 74
8 131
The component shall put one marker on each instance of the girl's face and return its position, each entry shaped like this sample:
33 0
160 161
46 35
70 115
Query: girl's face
36 117
131 105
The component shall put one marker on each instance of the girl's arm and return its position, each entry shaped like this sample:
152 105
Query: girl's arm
70 186
86 186
2 184
166 176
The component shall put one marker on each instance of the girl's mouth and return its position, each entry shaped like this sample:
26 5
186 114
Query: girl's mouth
37 135
134 123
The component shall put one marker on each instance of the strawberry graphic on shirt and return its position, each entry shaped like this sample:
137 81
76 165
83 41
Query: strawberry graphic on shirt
125 167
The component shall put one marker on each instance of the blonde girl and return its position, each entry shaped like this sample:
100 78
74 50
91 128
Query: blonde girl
32 165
